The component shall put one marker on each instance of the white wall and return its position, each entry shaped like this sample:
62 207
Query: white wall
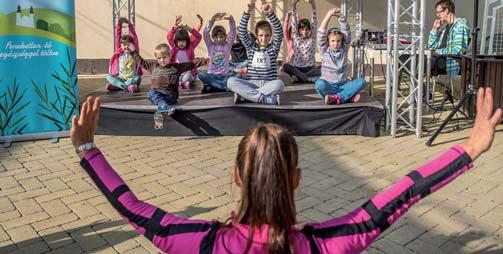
154 17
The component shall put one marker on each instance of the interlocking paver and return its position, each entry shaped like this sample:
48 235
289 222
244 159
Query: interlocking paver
31 183
3 235
87 239
54 221
24 220
71 248
23 235
83 209
79 223
56 237
11 164
5 205
38 247
27 206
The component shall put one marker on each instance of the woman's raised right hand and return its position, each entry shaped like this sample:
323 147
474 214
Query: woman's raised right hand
486 120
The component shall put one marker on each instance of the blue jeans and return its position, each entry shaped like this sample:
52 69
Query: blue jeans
345 90
158 98
252 90
121 83
215 81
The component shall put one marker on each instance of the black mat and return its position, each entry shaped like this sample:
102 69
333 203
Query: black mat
215 114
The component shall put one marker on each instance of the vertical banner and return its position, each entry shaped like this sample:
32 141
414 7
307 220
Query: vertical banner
38 74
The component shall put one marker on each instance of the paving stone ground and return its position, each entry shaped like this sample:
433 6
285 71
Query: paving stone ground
49 205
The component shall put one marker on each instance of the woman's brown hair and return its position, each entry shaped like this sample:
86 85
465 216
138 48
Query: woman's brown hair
267 166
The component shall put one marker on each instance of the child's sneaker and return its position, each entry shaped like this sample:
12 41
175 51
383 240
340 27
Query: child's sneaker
111 87
333 99
158 120
355 98
312 79
270 99
132 88
205 89
238 99
171 110
166 109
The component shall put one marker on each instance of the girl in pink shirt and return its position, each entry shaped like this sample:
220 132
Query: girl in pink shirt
267 172
183 46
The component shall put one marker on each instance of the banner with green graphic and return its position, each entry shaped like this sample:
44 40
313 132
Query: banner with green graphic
38 73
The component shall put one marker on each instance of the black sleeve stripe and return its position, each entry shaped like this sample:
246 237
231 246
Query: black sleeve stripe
174 229
415 176
119 191
308 232
208 242
345 230
152 226
379 217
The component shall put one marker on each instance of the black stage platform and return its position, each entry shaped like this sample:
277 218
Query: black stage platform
215 114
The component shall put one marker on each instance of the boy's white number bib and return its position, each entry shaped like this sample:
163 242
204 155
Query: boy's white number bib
261 60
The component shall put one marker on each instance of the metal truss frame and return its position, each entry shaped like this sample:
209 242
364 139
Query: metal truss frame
122 8
404 107
354 13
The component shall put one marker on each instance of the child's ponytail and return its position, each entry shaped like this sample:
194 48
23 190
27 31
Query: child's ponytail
267 165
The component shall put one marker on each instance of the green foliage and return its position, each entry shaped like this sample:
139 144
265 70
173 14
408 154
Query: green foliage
58 23
42 25
57 29
60 109
12 119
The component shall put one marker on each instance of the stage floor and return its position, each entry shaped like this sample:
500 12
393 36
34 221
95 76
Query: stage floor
215 114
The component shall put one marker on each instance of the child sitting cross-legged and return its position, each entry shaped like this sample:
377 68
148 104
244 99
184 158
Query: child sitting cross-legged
219 49
334 86
262 85
183 41
301 63
124 72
